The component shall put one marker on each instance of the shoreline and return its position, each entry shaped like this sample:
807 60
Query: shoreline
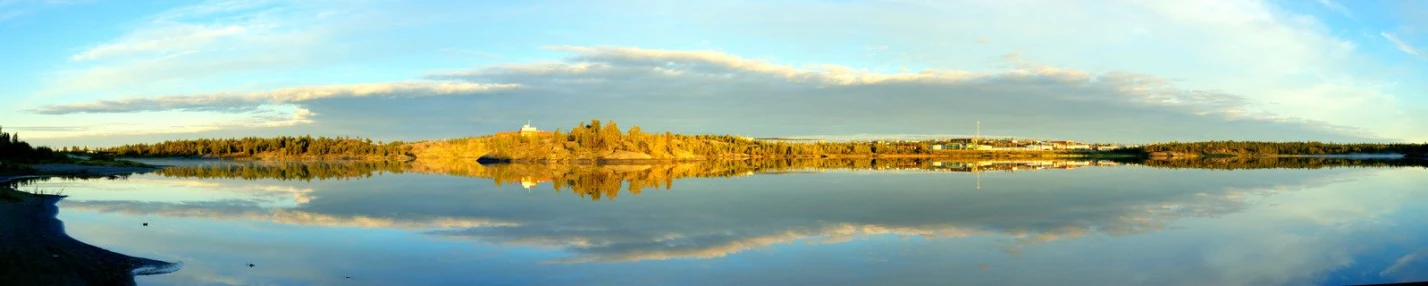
1353 156
947 155
40 252
57 170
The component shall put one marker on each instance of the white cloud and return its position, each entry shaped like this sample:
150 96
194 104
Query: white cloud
249 101
605 79
1405 47
653 75
237 111
149 127
1230 59
1254 49
163 42
204 46
299 116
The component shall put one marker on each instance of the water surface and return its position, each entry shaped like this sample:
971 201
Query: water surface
768 223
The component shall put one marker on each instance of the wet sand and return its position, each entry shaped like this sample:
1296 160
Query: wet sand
37 251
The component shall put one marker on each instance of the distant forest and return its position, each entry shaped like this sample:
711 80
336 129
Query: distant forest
305 147
1249 163
598 140
1280 148
13 150
606 141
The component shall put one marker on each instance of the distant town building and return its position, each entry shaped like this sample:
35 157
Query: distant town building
1040 147
525 131
1108 147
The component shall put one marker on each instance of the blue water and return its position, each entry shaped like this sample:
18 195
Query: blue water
1118 225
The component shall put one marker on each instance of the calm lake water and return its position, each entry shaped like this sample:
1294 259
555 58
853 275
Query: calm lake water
788 223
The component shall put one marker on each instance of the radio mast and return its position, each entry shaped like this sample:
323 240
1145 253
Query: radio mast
978 138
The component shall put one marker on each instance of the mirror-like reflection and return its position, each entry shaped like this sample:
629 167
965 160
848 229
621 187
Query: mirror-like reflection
779 222
594 181
606 181
601 181
37 251
1306 162
284 170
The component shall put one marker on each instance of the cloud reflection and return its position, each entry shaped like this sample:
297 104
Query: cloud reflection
1025 208
245 210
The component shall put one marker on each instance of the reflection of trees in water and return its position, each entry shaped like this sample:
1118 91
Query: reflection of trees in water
606 181
1087 208
1090 204
1241 163
21 183
287 170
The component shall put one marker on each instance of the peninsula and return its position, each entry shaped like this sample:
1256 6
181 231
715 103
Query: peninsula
606 142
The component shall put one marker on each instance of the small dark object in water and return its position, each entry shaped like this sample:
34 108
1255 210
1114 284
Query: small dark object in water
348 277
250 265
146 224
493 160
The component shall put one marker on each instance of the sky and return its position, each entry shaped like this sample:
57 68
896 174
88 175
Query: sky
102 73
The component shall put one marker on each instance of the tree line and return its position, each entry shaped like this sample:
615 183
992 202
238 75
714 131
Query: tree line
13 150
605 140
1250 163
286 147
1280 148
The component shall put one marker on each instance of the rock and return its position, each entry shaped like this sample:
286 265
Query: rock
626 155
493 159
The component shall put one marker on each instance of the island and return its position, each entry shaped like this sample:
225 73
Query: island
605 142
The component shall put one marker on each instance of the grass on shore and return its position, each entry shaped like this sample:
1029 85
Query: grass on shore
44 192
12 168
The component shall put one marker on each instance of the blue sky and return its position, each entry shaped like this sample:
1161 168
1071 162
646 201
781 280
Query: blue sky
109 72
